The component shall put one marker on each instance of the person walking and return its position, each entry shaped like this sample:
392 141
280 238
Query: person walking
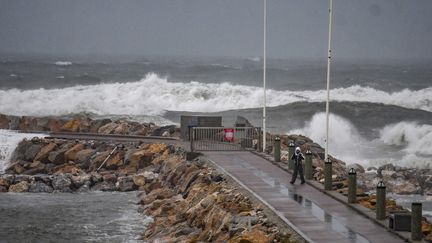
297 157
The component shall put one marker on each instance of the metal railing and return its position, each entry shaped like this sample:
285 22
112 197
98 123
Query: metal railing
225 139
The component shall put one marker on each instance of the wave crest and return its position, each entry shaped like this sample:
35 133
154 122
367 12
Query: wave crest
153 95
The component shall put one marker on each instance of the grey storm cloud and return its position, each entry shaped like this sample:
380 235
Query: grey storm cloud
296 28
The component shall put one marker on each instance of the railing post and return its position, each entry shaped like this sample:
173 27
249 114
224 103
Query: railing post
380 201
277 156
308 165
191 137
416 221
328 181
352 186
291 148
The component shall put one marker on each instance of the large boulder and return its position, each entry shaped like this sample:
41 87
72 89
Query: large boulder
62 183
84 155
70 155
115 161
43 153
165 129
138 158
104 186
80 180
57 157
125 184
107 128
4 122
39 186
71 126
22 186
96 124
20 151
36 167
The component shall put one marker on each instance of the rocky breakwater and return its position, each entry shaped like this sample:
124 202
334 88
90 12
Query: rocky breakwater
85 124
189 201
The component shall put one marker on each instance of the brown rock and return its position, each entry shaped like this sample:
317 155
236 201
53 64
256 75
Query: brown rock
55 125
71 126
253 236
4 182
22 186
15 168
157 148
36 167
70 155
98 159
115 161
27 123
110 177
140 159
57 157
122 128
42 155
4 122
84 155
67 168
107 128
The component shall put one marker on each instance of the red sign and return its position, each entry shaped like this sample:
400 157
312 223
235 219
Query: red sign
229 134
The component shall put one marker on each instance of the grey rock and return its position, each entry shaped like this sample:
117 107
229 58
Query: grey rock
125 184
39 186
104 186
62 183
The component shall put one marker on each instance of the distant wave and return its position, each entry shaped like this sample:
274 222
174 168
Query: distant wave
63 63
153 95
406 144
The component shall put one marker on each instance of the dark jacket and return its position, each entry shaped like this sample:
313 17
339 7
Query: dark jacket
297 158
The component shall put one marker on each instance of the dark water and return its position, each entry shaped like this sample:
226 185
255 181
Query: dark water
378 108
64 217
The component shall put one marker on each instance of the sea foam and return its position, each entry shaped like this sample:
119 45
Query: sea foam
153 95
8 142
407 144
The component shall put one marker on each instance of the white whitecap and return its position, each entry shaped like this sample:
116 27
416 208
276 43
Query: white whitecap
63 63
153 95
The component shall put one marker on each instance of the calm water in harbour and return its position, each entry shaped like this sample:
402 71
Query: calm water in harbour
64 217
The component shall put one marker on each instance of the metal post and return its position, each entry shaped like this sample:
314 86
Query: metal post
291 148
264 74
380 201
416 221
277 148
191 136
328 80
308 165
328 181
352 186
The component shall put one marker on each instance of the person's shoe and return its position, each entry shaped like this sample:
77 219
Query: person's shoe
303 182
292 182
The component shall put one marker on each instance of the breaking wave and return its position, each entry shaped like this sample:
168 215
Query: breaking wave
153 95
407 144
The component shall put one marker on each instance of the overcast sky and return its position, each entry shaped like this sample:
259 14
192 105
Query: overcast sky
296 28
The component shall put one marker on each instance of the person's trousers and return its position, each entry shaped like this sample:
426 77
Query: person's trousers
298 169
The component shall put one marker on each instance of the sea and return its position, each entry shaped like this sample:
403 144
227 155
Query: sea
380 112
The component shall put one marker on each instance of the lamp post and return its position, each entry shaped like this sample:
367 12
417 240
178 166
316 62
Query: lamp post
264 75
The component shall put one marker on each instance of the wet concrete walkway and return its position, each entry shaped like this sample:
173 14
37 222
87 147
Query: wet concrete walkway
319 217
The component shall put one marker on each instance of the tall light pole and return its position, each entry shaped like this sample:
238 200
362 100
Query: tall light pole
328 80
264 75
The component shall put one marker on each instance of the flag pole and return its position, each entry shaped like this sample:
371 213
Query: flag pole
264 75
328 80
